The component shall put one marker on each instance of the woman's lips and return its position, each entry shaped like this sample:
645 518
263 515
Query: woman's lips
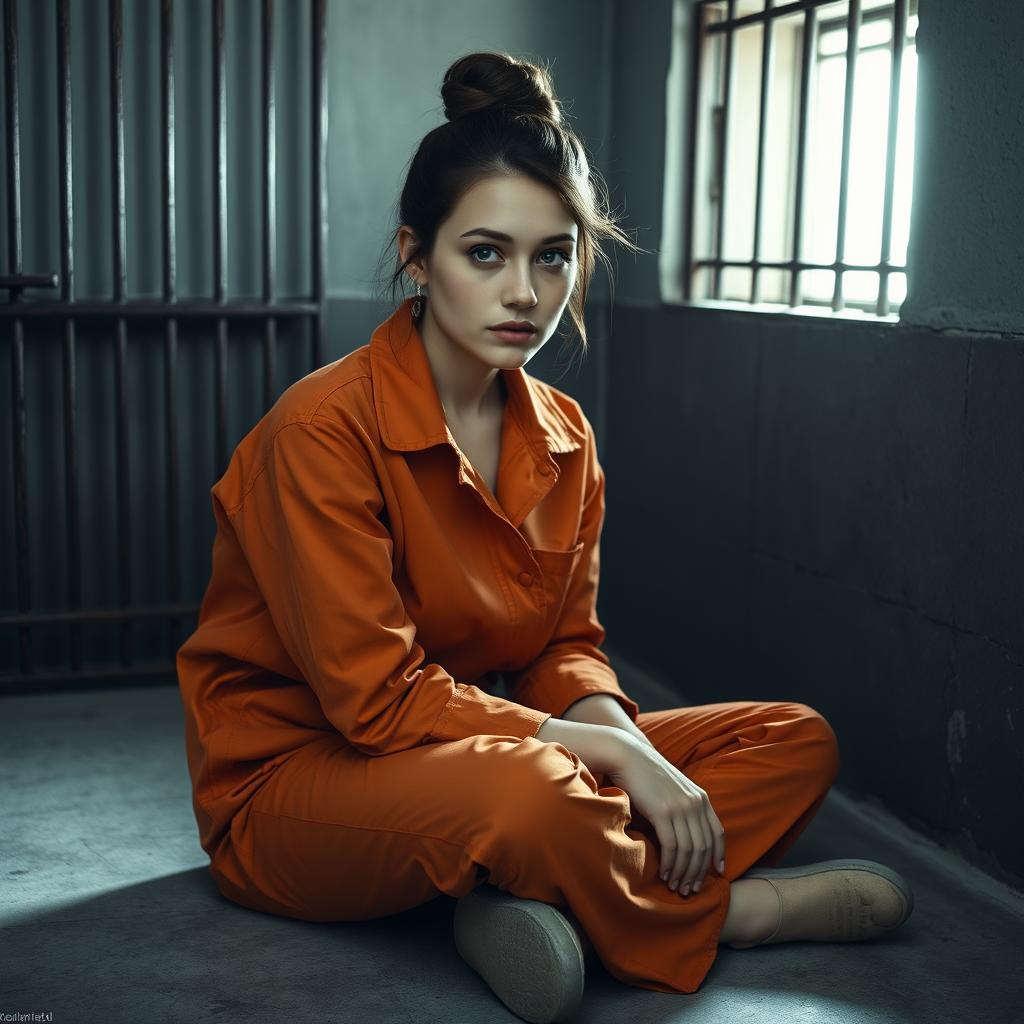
513 337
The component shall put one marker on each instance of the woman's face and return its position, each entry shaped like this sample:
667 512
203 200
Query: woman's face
476 280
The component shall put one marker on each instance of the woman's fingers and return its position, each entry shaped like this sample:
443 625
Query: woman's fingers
682 856
667 842
717 837
696 848
705 831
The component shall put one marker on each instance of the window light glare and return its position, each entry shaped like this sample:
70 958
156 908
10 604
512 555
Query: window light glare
872 33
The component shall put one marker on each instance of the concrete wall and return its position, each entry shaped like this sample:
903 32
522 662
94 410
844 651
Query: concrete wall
824 510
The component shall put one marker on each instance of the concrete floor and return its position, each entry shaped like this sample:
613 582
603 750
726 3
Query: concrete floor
107 912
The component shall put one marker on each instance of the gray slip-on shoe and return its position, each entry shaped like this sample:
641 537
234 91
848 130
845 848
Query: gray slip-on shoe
836 901
528 952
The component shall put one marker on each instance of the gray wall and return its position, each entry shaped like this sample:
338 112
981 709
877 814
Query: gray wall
829 511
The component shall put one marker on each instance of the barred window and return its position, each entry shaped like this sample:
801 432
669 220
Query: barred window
801 153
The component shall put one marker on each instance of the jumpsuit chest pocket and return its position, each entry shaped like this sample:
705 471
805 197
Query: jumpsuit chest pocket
556 569
558 564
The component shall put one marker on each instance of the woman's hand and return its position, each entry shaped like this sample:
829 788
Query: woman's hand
689 832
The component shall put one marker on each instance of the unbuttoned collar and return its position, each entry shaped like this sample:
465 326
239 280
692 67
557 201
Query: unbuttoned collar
409 409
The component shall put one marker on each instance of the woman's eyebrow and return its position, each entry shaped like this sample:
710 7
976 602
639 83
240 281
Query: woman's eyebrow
502 237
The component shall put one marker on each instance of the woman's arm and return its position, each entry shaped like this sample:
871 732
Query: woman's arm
604 709
601 748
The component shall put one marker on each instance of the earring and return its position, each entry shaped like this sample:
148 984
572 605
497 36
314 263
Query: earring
417 306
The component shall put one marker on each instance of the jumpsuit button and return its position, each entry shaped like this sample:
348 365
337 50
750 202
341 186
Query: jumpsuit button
525 578
544 469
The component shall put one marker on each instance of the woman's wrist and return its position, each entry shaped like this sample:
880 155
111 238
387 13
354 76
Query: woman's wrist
602 748
604 709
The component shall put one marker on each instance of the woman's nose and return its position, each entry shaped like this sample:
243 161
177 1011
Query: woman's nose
521 291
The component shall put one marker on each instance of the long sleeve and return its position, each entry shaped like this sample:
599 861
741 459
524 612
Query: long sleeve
311 530
572 665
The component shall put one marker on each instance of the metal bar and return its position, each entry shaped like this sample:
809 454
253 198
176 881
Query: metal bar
269 361
11 686
766 68
18 439
149 309
170 260
173 480
72 511
797 265
120 309
219 235
18 436
93 615
723 146
120 339
810 36
124 517
739 305
697 37
117 148
875 46
899 31
11 107
219 141
20 281
73 514
269 154
220 398
825 24
852 34
318 164
732 24
269 206
173 468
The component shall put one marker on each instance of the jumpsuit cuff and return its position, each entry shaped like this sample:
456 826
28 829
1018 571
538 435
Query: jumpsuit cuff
474 712
554 689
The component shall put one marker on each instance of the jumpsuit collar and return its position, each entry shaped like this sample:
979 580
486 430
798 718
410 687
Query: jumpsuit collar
409 409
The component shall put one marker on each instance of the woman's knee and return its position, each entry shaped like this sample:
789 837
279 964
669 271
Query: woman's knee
538 782
825 744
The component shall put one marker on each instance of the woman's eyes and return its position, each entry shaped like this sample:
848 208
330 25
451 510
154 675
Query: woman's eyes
566 258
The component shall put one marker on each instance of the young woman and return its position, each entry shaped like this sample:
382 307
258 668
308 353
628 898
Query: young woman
415 521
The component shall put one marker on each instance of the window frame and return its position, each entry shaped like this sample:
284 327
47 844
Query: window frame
897 12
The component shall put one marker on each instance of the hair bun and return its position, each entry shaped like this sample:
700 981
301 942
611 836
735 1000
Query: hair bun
480 81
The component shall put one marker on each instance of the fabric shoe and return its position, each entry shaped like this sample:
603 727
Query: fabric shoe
530 953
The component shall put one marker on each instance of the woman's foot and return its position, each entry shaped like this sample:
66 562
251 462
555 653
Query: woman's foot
832 901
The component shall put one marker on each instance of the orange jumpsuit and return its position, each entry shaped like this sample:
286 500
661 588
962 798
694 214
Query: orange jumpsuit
348 756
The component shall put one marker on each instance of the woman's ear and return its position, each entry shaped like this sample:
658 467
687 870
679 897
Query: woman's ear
406 241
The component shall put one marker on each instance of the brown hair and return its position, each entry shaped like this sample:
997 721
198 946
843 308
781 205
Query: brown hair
504 118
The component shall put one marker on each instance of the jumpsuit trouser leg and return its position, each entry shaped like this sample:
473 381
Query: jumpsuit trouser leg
334 835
